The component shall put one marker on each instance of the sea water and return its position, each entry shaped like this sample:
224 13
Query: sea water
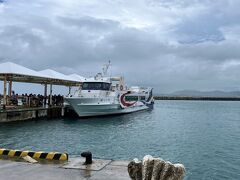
203 135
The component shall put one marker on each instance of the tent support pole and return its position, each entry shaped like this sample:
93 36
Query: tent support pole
50 103
69 90
45 94
5 92
10 88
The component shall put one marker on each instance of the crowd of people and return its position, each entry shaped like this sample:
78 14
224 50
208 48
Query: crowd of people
32 100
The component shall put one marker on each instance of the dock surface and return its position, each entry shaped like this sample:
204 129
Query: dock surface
13 170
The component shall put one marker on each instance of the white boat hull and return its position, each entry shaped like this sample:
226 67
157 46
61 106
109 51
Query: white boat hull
93 109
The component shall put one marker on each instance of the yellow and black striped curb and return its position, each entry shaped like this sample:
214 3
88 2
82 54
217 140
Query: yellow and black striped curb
33 154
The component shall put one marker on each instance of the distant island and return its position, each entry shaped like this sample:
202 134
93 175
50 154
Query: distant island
200 95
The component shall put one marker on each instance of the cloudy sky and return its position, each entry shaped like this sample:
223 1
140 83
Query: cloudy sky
168 44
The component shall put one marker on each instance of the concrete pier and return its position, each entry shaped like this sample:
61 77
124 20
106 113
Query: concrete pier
30 113
112 170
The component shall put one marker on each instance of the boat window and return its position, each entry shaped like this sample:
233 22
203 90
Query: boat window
96 86
134 98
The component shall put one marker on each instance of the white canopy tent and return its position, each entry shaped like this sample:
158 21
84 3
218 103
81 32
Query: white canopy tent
19 73
57 75
77 77
10 72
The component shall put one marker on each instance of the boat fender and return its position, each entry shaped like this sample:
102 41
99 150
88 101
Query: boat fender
121 87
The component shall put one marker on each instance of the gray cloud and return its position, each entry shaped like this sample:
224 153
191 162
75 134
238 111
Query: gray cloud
169 45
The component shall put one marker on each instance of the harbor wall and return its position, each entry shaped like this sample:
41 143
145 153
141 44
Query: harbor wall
27 114
195 98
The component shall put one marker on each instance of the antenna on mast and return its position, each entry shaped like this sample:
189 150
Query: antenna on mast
105 68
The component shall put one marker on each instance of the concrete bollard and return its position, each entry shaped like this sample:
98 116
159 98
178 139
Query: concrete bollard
155 169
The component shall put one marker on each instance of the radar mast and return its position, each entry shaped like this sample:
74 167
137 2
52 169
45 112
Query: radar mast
105 68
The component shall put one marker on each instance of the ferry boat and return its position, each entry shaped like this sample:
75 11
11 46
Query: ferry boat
107 95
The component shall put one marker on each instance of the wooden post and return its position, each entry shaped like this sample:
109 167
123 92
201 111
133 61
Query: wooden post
5 91
50 103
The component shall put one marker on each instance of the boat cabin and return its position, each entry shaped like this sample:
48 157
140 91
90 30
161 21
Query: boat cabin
103 86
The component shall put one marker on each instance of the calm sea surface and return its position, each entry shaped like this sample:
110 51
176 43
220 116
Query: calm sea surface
203 135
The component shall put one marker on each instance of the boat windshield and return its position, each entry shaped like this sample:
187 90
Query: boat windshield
96 86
